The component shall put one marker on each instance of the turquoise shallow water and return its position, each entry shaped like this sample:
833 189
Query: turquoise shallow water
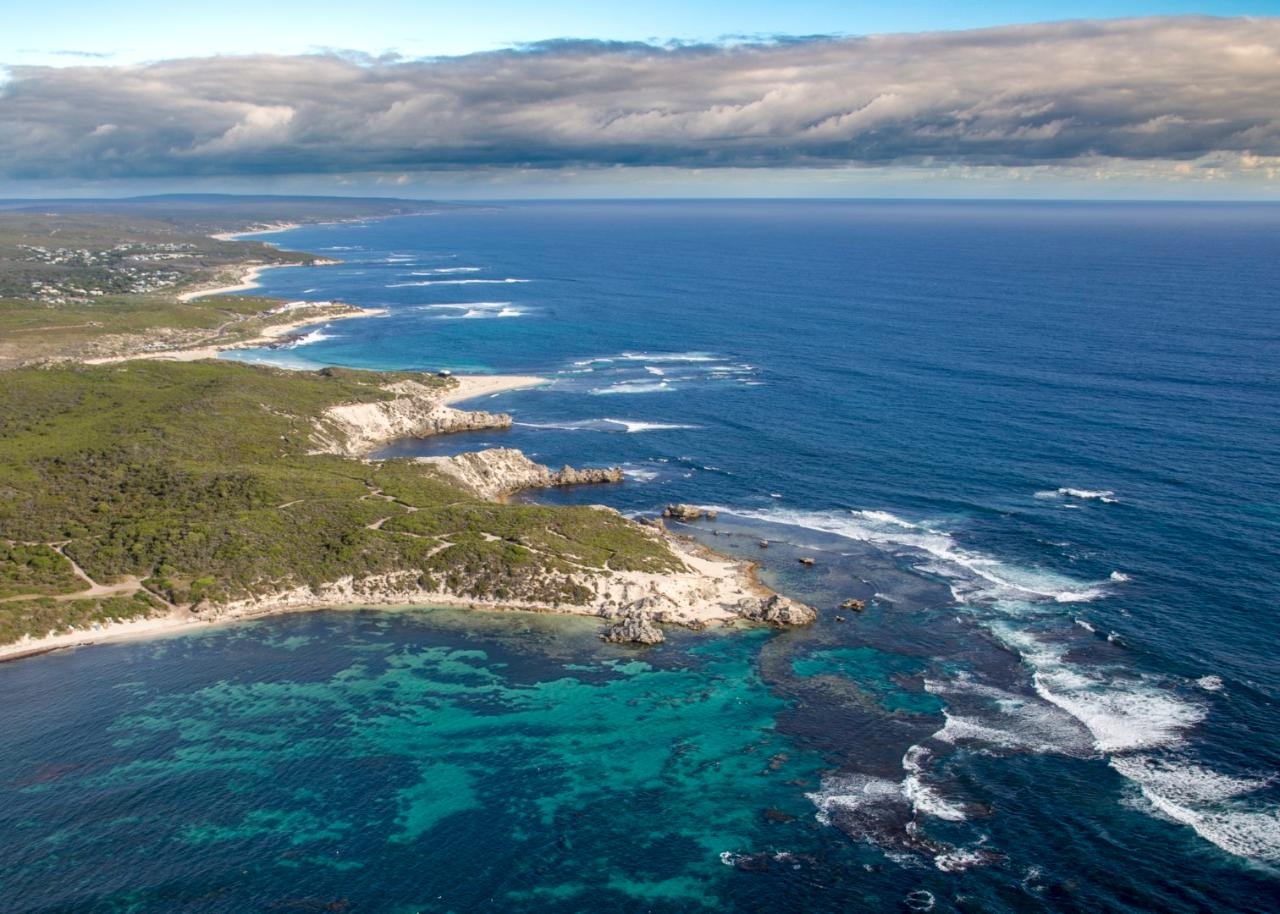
401 762
1039 440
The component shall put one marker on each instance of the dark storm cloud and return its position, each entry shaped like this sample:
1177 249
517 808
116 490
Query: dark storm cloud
1152 89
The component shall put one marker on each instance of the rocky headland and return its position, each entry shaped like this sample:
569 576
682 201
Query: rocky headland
344 530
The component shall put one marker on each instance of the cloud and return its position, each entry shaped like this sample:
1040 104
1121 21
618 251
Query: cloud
1166 89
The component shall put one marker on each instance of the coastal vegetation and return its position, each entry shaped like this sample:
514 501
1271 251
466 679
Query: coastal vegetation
195 484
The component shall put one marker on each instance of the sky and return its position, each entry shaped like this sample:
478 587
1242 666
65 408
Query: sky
567 98
58 32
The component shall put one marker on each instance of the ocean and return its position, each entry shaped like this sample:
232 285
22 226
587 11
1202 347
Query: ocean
1041 440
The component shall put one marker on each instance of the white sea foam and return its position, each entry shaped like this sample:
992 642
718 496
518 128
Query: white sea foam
476 310
444 270
919 900
631 426
635 425
1210 683
924 799
1120 718
452 282
1102 495
633 387
465 306
665 357
1119 577
485 313
1128 715
315 336
639 475
851 792
976 576
1020 726
1083 709
960 859
1012 721
1184 782
1209 802
1255 835
1123 712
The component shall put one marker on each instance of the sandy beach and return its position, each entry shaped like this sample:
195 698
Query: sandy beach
264 230
473 386
248 281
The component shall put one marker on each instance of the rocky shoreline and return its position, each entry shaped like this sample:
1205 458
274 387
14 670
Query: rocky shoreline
713 589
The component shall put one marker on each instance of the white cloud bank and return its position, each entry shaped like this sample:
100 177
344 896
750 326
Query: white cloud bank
1168 91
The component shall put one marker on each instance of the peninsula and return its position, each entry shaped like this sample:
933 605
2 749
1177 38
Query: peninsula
147 487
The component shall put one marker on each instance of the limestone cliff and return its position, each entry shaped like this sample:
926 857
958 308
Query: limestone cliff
356 429
500 471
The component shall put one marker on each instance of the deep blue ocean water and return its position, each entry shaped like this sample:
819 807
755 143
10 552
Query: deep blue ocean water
1042 440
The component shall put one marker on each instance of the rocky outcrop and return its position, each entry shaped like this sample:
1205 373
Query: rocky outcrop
568 476
500 471
687 513
776 610
635 627
854 604
356 429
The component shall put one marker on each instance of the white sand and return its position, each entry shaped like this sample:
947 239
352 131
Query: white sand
248 281
479 385
265 230
98 634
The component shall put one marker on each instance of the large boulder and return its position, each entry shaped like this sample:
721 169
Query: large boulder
683 512
634 628
776 610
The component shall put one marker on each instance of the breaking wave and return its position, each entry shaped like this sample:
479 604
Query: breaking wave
634 387
1134 720
609 425
975 577
478 309
1214 805
1103 495
452 282
315 336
